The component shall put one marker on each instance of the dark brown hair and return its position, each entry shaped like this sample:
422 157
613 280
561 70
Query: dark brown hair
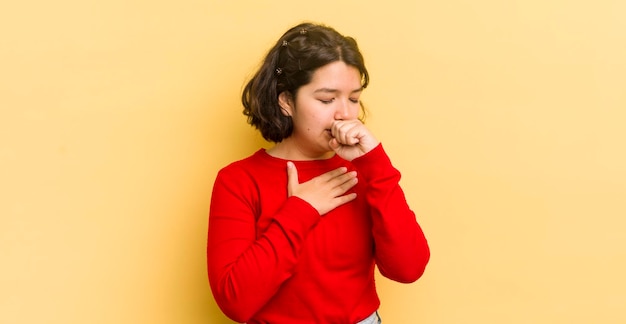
289 65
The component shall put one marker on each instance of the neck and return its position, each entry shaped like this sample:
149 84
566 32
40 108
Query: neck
287 150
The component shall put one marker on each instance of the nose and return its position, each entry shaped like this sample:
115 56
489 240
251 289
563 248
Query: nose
343 110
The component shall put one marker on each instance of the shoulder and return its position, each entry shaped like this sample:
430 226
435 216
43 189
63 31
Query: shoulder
245 179
252 166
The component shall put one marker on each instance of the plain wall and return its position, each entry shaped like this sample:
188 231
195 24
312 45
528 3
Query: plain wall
506 119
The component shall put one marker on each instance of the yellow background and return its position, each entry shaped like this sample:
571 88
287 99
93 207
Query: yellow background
506 119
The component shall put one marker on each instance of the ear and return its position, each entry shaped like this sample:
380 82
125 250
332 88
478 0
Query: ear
285 100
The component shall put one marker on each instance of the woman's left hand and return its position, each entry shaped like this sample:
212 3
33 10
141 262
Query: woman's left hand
351 139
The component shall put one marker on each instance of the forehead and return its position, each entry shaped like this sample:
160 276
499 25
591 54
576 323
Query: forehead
336 75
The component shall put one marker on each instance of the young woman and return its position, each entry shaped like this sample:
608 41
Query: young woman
295 231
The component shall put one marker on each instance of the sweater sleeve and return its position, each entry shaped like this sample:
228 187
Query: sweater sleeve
401 248
246 268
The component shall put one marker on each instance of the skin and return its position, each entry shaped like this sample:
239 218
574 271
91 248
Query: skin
325 118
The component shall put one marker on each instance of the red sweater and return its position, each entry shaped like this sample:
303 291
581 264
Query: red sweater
274 259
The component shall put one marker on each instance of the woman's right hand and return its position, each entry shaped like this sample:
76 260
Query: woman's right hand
324 192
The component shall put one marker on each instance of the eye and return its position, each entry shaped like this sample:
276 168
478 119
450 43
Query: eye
354 100
326 101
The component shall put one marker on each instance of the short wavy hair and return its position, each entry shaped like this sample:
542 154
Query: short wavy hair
289 65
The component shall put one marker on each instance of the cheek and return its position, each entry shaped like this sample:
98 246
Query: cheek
317 117
356 110
308 123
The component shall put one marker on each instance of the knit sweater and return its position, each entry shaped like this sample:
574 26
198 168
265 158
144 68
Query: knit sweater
273 258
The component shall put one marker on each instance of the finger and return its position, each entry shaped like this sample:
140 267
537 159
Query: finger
347 133
356 132
339 185
339 131
345 199
336 129
334 144
292 177
345 183
347 177
352 136
328 176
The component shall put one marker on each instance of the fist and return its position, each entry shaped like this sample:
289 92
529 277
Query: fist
351 139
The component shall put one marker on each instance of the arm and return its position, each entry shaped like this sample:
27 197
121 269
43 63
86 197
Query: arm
246 268
245 271
402 251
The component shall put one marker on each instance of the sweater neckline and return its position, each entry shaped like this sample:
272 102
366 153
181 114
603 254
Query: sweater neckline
334 161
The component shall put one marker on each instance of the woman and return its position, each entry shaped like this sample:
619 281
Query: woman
295 231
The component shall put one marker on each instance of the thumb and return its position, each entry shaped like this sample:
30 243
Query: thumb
334 144
292 178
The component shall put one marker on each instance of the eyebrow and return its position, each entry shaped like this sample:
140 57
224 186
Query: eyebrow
329 90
